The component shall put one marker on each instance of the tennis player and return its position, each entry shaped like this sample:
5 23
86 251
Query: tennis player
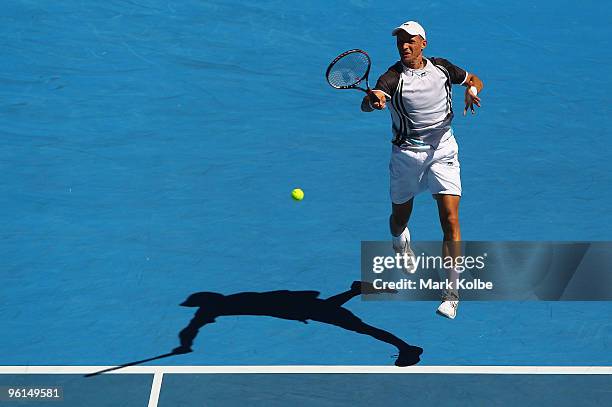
424 153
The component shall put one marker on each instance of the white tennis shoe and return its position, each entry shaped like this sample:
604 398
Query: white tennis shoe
401 245
448 309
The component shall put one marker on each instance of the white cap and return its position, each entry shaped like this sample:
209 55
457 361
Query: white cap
412 28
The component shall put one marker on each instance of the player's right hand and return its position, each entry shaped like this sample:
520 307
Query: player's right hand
377 99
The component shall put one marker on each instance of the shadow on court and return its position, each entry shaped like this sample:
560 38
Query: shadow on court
299 306
138 362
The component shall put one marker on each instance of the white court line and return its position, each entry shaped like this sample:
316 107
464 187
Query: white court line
603 370
155 389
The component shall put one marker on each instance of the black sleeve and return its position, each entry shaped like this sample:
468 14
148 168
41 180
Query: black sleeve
457 74
389 80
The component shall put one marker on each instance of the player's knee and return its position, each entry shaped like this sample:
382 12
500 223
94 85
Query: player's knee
450 223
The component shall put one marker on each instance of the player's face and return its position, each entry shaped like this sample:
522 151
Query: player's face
410 47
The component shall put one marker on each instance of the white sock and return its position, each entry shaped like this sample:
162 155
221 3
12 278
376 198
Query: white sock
404 236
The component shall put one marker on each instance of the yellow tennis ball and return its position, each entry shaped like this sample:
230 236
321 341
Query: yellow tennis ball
297 194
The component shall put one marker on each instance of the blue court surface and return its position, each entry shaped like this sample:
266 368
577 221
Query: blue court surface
149 151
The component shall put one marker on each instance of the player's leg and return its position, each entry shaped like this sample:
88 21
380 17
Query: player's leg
407 179
400 215
400 235
448 211
407 173
444 182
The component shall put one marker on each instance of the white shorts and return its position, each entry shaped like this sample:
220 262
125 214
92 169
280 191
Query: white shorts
412 172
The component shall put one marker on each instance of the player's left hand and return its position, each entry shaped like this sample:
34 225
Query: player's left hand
470 101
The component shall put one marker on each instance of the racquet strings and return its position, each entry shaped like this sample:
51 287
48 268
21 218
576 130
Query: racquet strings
348 70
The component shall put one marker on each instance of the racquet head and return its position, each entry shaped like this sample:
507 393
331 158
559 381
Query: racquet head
349 69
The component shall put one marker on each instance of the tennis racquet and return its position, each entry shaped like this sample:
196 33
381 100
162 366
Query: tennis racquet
348 70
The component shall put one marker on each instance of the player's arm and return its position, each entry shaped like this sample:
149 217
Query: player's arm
459 76
385 86
473 86
375 100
